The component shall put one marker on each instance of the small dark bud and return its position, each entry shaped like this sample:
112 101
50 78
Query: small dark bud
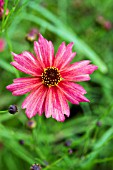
99 123
31 124
32 35
12 109
70 151
35 167
21 142
67 143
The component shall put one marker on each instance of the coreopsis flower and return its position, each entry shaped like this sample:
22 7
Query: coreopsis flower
1 3
53 79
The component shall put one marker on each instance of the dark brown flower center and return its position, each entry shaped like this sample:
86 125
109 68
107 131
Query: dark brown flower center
51 76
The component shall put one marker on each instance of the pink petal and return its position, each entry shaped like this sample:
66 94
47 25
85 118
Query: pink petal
78 64
64 58
58 115
75 78
27 63
59 54
72 92
45 51
76 87
62 103
86 69
49 103
34 102
50 54
56 105
23 85
78 71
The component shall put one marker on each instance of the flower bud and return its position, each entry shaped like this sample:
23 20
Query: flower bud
99 124
21 142
70 151
31 124
12 109
32 35
67 143
35 167
104 23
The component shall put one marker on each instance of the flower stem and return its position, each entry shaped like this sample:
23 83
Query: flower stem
3 111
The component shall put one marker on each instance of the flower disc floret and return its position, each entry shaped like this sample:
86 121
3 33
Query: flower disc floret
51 76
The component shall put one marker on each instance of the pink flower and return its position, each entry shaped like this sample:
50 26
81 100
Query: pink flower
53 79
1 3
2 45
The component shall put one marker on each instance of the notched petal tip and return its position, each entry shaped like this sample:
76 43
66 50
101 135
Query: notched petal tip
35 43
8 87
12 63
96 67
14 54
29 115
85 99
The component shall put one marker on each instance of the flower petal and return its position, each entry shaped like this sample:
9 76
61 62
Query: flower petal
62 103
78 71
34 102
72 92
64 56
45 51
56 104
49 103
23 85
58 115
27 63
59 54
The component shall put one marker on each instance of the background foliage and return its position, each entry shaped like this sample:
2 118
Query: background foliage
84 141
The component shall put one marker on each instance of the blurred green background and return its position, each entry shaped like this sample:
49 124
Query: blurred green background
85 140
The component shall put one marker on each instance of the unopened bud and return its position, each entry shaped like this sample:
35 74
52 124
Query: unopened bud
21 142
67 143
35 167
31 124
70 151
32 35
12 109
104 23
99 124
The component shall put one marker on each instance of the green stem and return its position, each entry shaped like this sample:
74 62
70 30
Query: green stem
3 111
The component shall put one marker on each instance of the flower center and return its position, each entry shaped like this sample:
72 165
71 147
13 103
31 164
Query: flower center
51 76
